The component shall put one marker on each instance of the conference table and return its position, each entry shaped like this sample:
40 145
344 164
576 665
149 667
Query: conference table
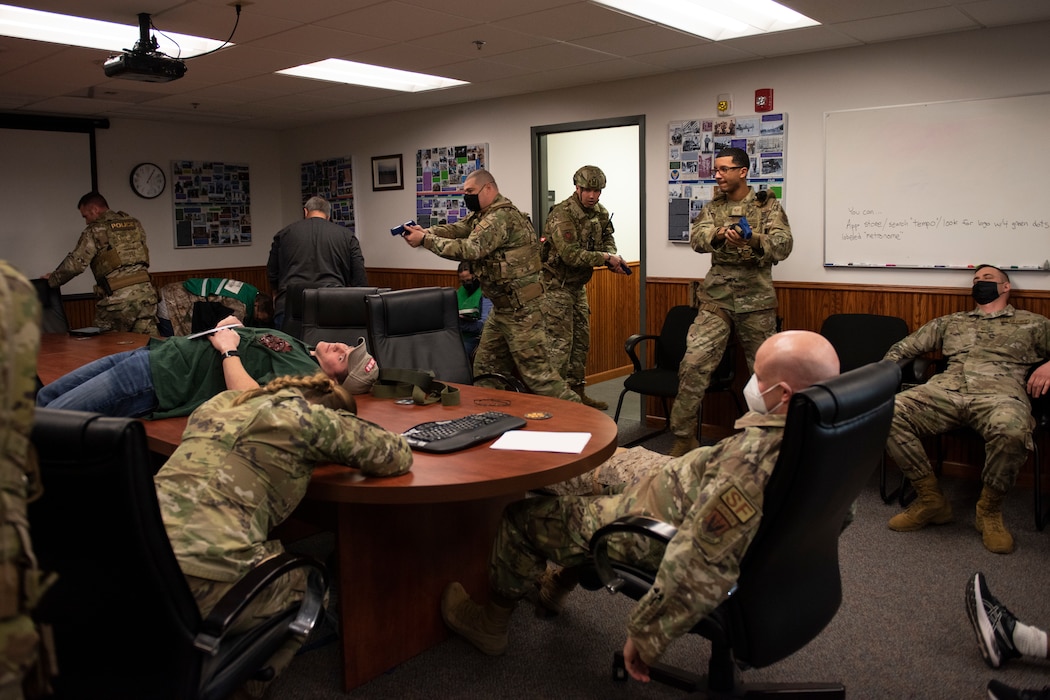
401 540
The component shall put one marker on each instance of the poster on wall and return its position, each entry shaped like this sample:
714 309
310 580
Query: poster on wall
332 179
440 173
212 204
692 145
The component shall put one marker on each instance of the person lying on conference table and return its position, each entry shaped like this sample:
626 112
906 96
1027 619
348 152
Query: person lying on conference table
242 467
173 376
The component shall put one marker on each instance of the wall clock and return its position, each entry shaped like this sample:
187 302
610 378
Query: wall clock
147 180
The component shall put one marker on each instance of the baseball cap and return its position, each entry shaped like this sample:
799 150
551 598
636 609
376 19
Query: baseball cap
362 370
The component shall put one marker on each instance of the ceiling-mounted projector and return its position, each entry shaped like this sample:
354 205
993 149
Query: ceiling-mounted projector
144 62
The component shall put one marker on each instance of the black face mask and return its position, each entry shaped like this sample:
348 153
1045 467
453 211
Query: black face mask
472 201
985 292
471 286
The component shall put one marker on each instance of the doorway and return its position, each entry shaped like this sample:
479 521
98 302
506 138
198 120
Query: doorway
617 146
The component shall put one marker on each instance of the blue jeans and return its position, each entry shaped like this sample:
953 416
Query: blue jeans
118 385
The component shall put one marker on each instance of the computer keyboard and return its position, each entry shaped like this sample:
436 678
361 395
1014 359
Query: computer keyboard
460 433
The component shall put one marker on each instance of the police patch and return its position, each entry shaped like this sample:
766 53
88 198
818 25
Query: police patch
714 525
737 502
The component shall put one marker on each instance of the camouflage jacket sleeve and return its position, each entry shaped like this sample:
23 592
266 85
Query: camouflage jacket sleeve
580 238
343 438
78 259
771 240
927 339
702 562
474 238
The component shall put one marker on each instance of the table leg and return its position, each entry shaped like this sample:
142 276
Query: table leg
394 563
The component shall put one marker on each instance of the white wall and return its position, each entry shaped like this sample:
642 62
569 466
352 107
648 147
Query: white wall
985 63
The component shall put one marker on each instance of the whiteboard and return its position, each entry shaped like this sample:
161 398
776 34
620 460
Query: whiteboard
41 223
946 184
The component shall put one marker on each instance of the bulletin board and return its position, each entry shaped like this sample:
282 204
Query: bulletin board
938 185
440 173
212 204
332 179
692 145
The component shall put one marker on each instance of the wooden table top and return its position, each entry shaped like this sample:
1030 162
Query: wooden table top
478 472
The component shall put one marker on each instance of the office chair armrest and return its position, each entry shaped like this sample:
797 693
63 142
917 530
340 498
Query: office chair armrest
918 370
230 607
631 344
510 383
614 578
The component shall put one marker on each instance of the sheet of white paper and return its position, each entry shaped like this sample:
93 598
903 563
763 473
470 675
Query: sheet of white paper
540 441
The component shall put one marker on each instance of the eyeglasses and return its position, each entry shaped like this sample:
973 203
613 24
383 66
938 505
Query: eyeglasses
726 168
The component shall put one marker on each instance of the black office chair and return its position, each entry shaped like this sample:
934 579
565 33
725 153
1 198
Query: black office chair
293 309
419 329
336 314
789 587
661 380
53 314
125 623
860 339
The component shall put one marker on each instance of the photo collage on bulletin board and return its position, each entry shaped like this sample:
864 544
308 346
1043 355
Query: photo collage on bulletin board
332 179
212 204
692 146
440 173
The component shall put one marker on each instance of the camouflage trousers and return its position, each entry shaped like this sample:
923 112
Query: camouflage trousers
281 595
18 636
568 318
131 309
623 469
517 339
704 348
1004 422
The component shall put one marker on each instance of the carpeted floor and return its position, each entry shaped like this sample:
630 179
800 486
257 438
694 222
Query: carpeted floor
902 630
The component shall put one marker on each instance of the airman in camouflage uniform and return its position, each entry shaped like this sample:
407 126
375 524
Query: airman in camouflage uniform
577 237
713 495
504 251
738 289
989 351
114 246
19 578
242 467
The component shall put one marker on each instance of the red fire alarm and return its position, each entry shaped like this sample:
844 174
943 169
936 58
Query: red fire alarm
764 100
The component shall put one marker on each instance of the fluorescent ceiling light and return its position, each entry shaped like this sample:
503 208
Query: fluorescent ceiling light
92 33
340 71
714 19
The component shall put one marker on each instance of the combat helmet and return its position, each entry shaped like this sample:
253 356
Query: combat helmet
589 177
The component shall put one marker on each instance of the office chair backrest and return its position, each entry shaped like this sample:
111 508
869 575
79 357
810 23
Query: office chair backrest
336 314
789 586
673 334
53 314
122 613
418 329
862 338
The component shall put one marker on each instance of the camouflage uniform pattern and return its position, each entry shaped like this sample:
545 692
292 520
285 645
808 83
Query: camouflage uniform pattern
983 387
19 578
502 244
114 246
713 495
737 292
575 240
178 303
625 467
240 471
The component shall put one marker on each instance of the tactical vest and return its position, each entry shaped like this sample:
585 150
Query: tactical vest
121 244
510 276
589 228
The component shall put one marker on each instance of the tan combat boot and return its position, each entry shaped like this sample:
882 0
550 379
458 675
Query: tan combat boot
484 626
587 400
683 445
555 587
989 522
929 506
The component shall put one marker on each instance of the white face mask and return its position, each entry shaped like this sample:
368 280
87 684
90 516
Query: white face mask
754 397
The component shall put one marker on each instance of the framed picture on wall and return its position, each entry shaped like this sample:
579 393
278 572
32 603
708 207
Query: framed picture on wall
387 173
